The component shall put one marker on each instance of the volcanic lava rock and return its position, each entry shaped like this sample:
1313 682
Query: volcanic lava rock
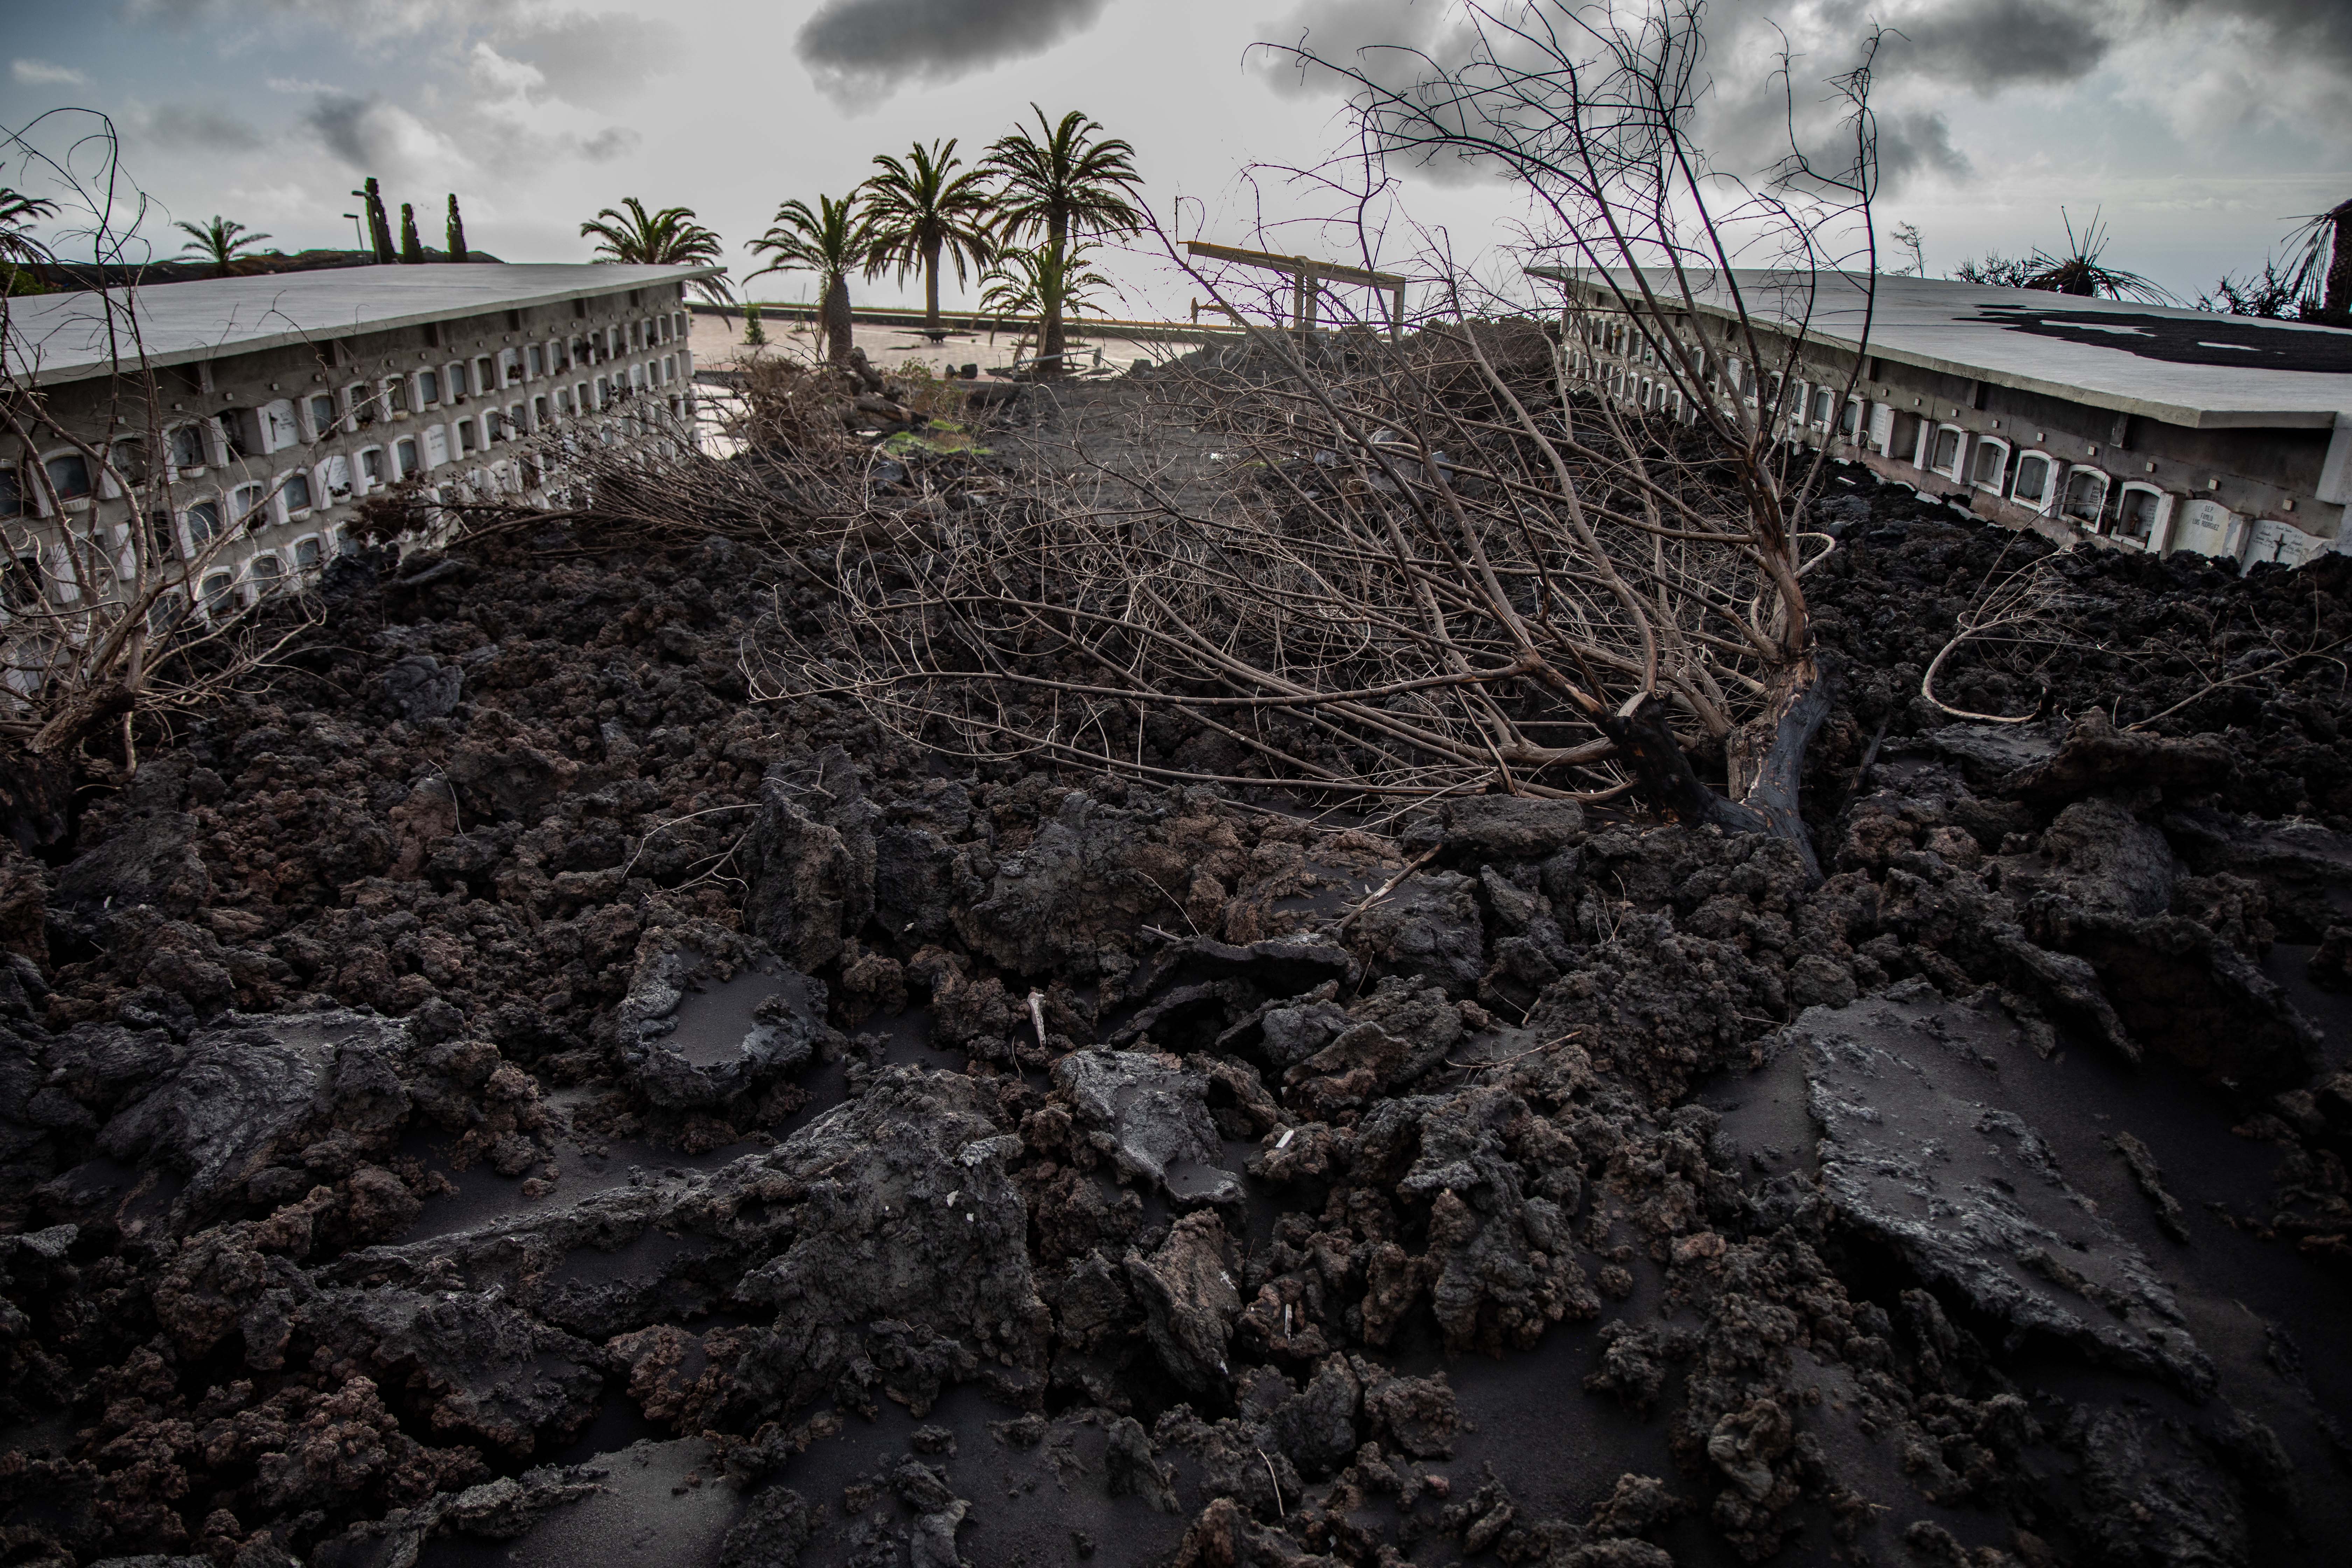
2098 858
2181 991
507 776
1279 966
1092 870
1317 1425
1150 1118
421 687
2096 755
256 1091
1289 1035
1990 754
1389 1039
1496 827
1428 926
785 1030
914 883
884 1242
938 1514
1921 1150
2305 868
1189 1299
2152 1493
810 859
1500 1266
480 1371
151 861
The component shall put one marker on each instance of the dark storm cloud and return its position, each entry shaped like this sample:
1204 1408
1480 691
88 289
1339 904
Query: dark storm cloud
1987 45
374 135
1930 47
341 122
193 126
2312 29
862 48
1914 144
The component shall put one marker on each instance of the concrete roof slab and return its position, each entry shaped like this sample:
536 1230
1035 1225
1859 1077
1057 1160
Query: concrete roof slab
2180 366
70 336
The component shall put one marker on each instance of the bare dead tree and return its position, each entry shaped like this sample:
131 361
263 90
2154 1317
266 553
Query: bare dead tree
100 621
1453 562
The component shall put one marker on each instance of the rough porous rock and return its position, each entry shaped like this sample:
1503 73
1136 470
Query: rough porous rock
784 1035
881 1249
421 687
1151 1117
1922 1150
1189 1299
1497 827
252 1090
810 860
1430 927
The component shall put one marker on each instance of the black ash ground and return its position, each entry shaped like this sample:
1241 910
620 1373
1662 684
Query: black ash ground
501 1095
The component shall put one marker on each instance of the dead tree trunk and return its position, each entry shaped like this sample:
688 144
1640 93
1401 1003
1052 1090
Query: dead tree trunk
1766 757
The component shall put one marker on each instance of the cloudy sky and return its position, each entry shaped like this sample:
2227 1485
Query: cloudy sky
2197 129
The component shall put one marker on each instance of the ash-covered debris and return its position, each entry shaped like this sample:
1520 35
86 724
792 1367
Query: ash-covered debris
507 1094
688 1046
1926 1151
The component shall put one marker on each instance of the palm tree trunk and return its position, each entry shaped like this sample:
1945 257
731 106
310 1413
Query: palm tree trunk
931 287
2336 302
1049 330
837 320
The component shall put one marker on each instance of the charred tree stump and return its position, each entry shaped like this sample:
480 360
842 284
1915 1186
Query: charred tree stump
1766 801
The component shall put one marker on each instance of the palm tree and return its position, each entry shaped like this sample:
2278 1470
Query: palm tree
921 209
1049 282
831 242
2323 275
2080 271
1068 181
18 249
669 237
17 211
219 240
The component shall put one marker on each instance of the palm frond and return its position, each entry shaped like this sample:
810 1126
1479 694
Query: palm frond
219 240
2322 240
2081 272
18 210
831 241
922 208
670 237
1026 284
1065 178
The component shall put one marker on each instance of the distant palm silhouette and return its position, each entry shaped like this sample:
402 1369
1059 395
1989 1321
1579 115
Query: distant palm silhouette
219 240
17 210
